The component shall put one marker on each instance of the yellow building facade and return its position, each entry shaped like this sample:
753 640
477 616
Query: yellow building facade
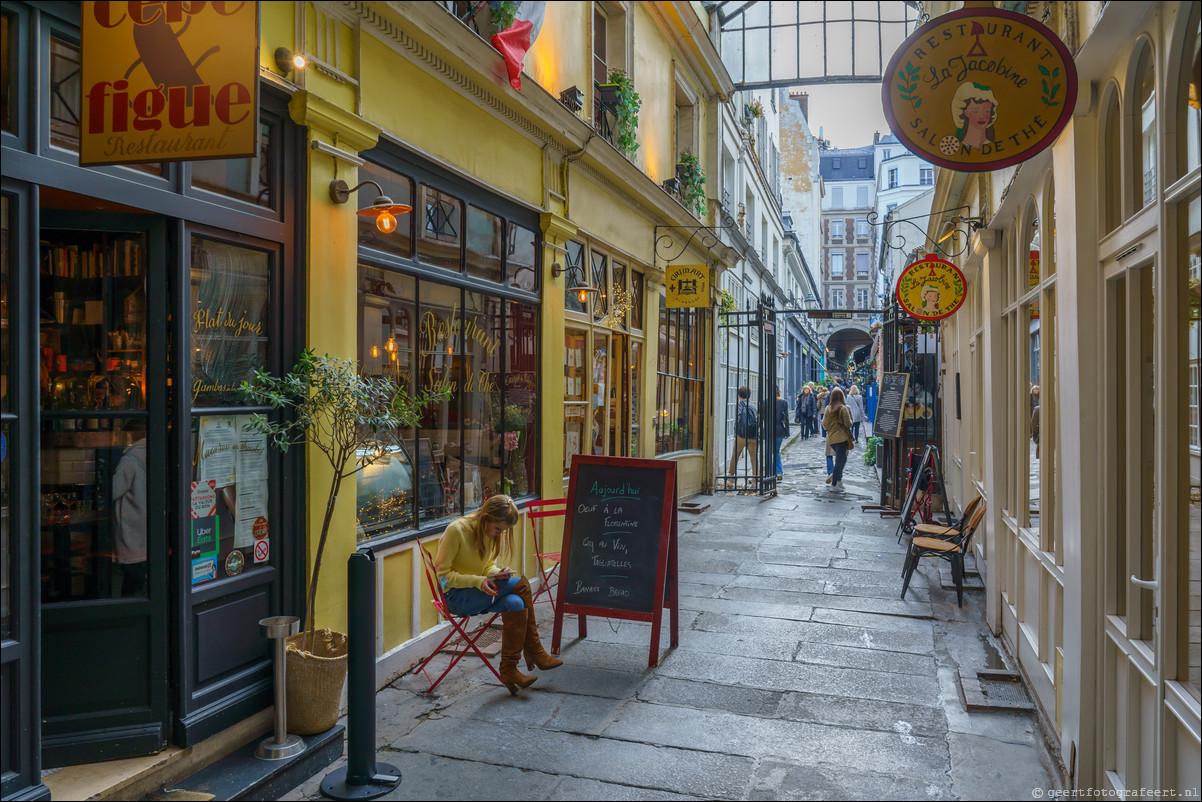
415 98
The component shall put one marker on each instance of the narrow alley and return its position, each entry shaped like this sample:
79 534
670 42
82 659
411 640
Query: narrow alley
800 675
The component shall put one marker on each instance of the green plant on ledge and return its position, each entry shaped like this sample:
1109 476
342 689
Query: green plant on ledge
503 14
626 108
692 182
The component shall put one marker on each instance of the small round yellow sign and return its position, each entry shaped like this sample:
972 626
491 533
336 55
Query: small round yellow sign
931 289
979 89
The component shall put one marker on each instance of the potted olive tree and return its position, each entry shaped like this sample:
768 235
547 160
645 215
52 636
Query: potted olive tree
352 420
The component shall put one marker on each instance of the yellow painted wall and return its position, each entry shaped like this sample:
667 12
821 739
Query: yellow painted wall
397 595
418 109
656 84
561 56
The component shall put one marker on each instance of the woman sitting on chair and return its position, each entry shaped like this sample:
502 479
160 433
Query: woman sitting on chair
467 569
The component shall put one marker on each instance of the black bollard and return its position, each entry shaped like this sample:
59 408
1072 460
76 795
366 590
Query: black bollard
362 777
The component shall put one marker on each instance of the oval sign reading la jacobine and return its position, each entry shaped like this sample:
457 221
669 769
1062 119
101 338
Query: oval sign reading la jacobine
931 289
979 89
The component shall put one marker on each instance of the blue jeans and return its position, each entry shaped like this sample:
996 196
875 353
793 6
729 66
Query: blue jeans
780 469
472 601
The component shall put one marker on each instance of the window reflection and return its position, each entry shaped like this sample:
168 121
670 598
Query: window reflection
400 189
246 179
64 94
440 229
8 86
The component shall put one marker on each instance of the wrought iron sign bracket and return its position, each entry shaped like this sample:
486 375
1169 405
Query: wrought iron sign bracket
706 236
959 230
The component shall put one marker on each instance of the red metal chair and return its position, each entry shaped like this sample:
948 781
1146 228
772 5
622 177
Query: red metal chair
464 635
534 511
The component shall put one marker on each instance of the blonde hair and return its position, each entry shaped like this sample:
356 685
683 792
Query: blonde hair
498 509
855 389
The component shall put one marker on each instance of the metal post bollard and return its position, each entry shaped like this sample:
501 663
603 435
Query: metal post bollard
280 745
362 777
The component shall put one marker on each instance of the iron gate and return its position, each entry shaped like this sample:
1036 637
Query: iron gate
747 353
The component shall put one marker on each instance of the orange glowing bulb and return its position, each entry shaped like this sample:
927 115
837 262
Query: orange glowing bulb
583 295
386 222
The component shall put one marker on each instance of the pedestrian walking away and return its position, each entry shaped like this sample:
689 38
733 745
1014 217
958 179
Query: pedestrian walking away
837 423
473 583
782 430
808 411
746 433
855 402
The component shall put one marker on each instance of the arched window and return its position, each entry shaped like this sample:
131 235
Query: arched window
1112 165
1145 133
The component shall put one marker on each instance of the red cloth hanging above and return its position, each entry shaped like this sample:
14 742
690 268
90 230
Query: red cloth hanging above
512 43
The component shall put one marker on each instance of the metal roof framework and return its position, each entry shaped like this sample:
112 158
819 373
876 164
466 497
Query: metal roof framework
786 43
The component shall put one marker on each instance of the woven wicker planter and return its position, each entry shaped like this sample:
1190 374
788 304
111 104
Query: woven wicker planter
315 680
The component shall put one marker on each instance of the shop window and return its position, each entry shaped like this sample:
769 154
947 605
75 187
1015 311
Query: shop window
619 300
249 179
441 225
483 439
64 94
680 384
1112 165
231 291
8 75
485 234
1035 429
400 189
574 276
600 279
1190 655
636 300
1145 115
521 261
576 387
6 420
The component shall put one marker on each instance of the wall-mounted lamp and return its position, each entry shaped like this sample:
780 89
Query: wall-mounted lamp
287 61
383 209
582 290
572 97
671 185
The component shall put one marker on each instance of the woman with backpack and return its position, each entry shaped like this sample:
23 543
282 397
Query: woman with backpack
746 433
837 422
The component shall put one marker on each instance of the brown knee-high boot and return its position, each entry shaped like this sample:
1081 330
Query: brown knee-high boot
536 655
513 636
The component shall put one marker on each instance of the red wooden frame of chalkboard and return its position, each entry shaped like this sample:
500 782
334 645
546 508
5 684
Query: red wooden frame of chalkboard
666 569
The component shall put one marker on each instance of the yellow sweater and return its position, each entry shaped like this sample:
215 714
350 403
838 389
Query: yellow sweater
458 563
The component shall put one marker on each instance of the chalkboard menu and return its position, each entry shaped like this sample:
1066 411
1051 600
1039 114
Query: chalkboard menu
889 406
619 547
616 521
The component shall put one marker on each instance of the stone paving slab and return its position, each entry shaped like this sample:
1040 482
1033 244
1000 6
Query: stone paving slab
579 788
565 712
780 780
775 675
801 742
711 696
870 620
840 635
677 770
869 714
985 768
868 659
787 612
865 604
887 588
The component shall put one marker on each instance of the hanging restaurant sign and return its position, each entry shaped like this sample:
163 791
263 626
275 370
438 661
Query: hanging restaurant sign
980 89
931 289
169 82
688 286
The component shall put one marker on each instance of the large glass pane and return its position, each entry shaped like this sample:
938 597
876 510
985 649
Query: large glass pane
92 301
93 508
440 364
64 94
521 262
485 233
1189 635
231 291
600 280
8 73
247 179
231 528
1145 116
6 543
440 230
1193 98
636 300
575 390
521 397
6 245
387 347
574 275
400 189
636 373
492 433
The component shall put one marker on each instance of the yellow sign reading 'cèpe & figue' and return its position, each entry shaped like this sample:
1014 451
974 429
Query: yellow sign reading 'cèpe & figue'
169 81
979 89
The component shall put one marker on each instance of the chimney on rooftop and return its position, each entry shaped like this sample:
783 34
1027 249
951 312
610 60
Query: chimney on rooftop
803 101
876 137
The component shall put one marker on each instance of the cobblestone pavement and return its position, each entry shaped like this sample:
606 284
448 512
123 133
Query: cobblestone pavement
800 674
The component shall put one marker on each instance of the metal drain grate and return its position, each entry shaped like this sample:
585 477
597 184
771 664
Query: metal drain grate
994 690
489 642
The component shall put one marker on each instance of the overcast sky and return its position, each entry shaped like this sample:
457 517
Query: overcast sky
847 113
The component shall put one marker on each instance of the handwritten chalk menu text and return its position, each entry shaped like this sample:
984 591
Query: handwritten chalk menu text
616 517
889 405
619 546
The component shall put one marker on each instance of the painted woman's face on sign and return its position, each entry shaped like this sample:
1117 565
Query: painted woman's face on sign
930 300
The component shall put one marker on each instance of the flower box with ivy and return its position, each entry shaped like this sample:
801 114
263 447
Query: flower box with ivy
755 109
619 97
692 182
